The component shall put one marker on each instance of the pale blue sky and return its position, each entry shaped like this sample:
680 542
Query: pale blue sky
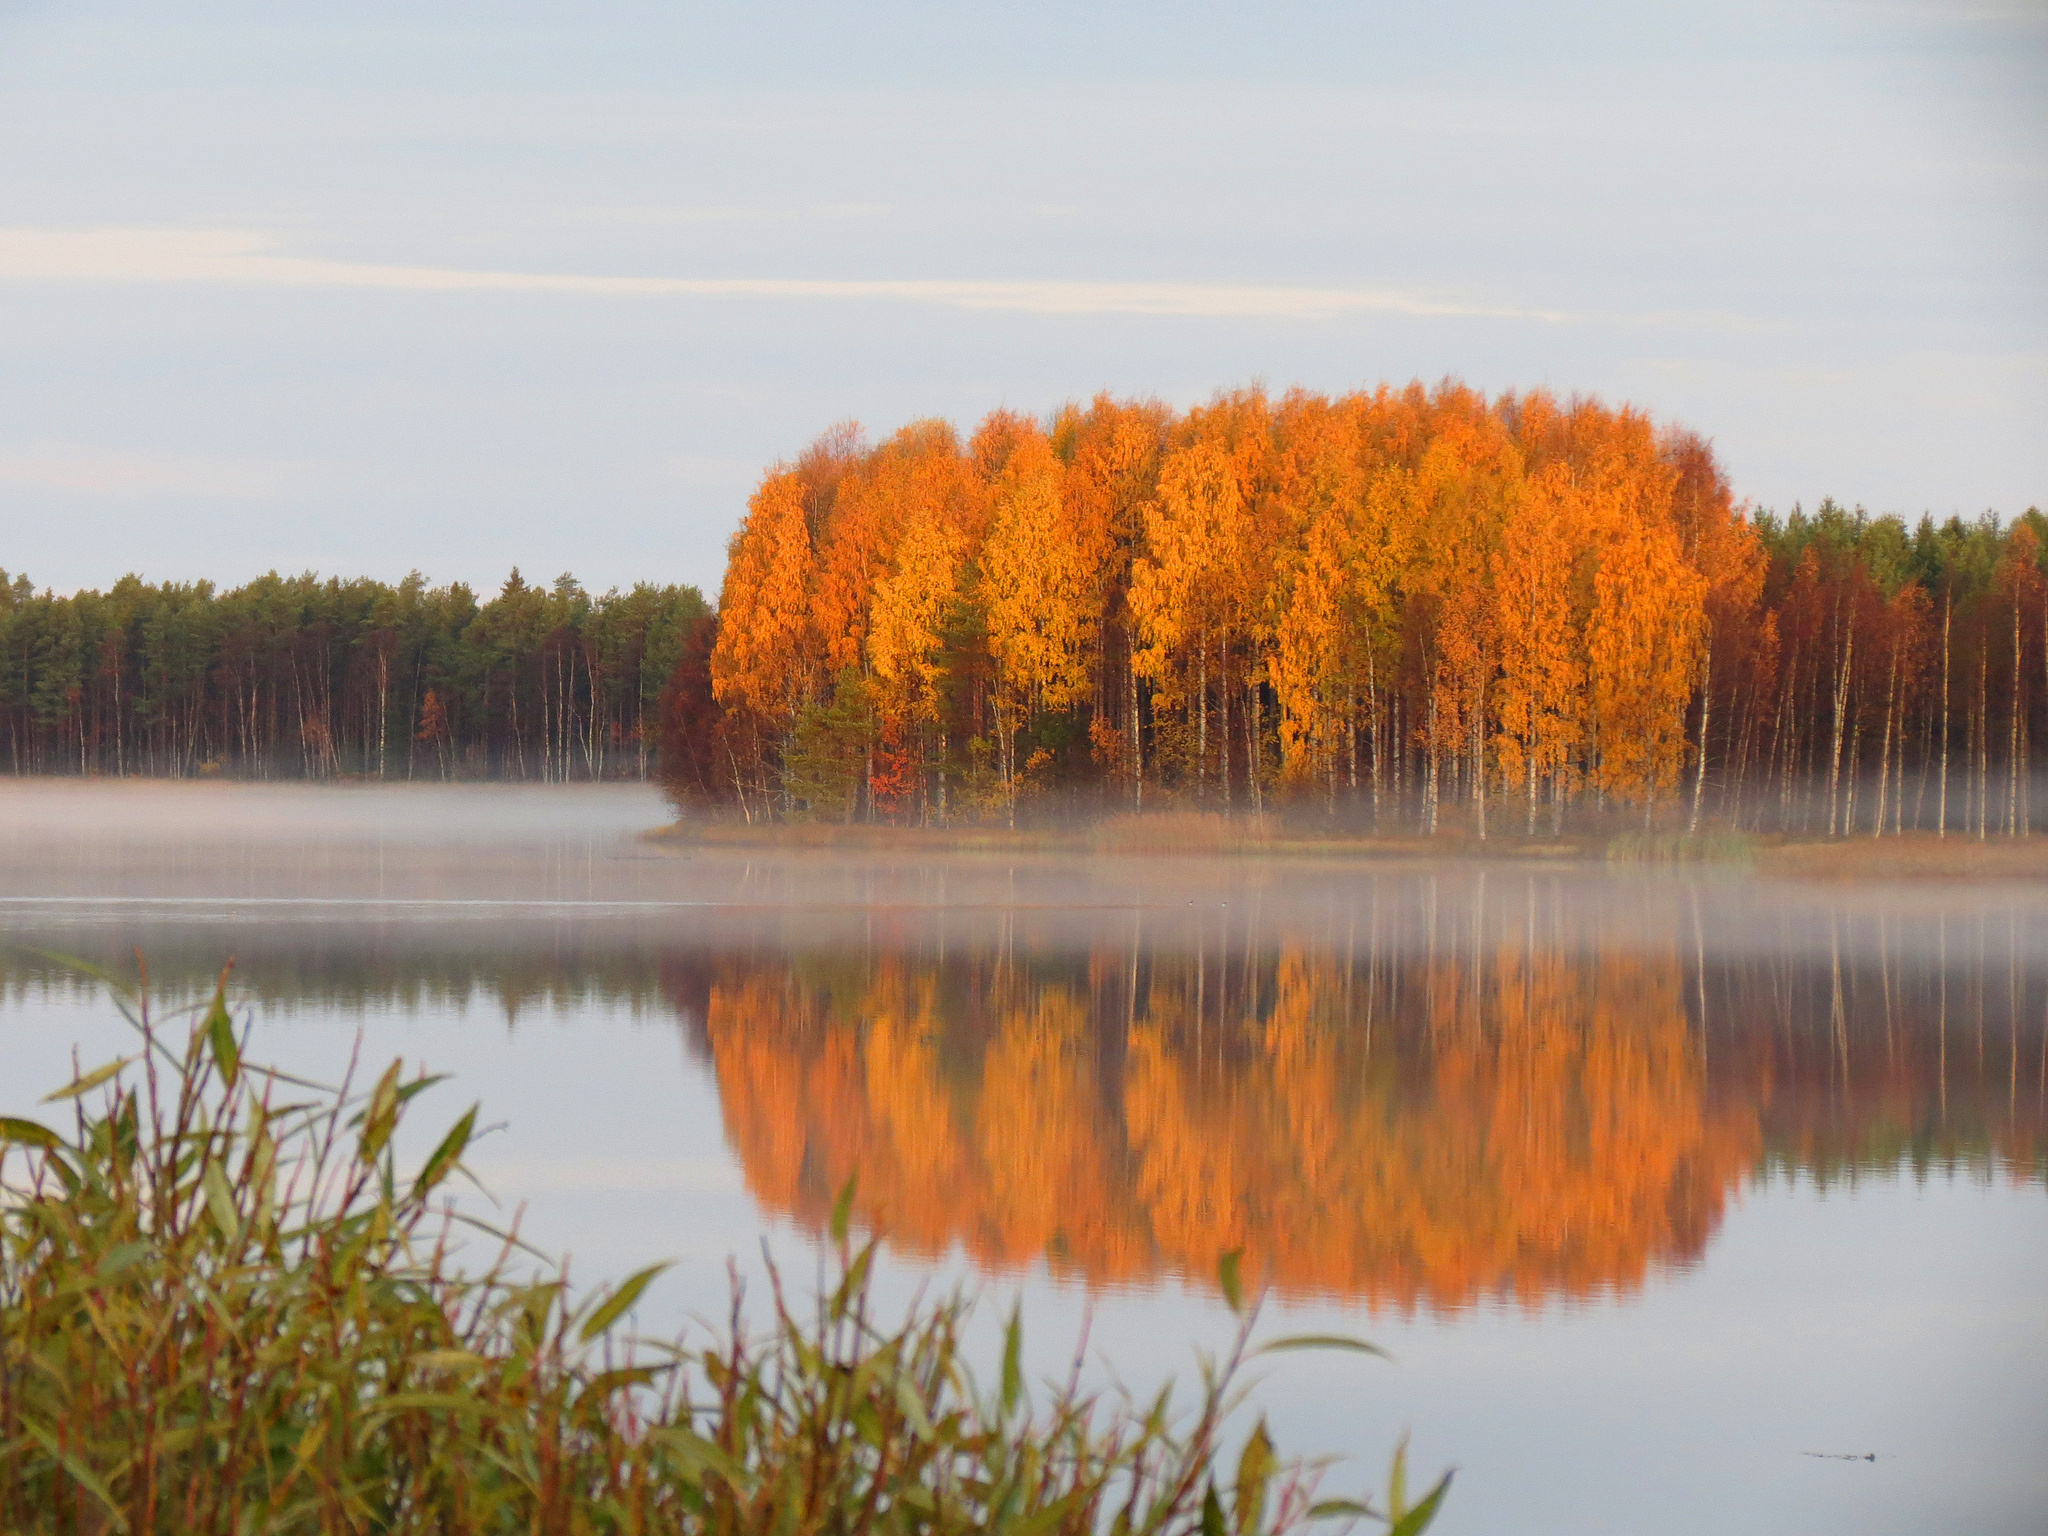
462 286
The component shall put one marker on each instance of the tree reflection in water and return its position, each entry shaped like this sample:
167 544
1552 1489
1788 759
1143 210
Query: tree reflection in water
1494 1115
1414 1090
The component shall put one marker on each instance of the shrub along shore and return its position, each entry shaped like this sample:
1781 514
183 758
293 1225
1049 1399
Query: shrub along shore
225 1309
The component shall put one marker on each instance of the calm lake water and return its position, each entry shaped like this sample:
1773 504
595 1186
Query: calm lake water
1666 1193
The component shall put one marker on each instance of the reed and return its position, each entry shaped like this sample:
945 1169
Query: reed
225 1309
1715 846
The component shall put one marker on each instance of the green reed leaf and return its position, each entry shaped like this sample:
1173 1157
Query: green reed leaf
616 1305
80 1473
220 1201
1321 1341
1254 1467
381 1118
842 1208
700 1456
1013 1359
605 1383
1229 1278
220 1036
90 1081
1418 1519
421 1402
309 1445
1047 1519
26 1133
449 1360
446 1155
912 1407
1339 1509
419 1085
123 1256
855 1283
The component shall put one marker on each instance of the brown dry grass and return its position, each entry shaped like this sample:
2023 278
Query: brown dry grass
1916 856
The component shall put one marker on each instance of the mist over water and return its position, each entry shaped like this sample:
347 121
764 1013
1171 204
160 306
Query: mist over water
1652 1183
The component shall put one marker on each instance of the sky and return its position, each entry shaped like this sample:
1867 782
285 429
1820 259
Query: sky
456 287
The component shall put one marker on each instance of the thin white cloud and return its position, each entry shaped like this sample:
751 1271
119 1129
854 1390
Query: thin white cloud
106 472
691 215
244 259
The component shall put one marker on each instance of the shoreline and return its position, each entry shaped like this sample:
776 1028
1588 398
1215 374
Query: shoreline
55 809
1915 855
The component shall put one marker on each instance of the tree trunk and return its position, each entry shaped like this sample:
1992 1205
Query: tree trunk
1842 705
2012 746
1699 778
1137 738
1884 756
1948 613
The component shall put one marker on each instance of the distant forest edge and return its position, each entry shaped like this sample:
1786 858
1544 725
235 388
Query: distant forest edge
296 677
1413 609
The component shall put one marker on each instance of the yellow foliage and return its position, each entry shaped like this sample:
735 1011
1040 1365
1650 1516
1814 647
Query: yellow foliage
1039 591
1509 597
767 653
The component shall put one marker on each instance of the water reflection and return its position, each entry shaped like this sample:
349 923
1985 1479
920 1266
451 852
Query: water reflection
1428 1094
1512 1120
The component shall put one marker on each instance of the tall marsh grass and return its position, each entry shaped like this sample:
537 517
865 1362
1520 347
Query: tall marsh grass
1714 846
224 1308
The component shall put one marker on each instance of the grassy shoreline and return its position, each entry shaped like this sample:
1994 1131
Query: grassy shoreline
1919 855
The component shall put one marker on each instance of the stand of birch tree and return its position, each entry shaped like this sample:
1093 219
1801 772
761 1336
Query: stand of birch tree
1407 609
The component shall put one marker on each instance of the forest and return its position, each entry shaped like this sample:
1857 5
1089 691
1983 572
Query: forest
1407 610
1404 611
296 677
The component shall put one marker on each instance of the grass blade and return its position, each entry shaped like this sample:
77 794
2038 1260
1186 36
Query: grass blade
90 1081
842 1208
220 1035
1228 1277
616 1305
26 1133
1321 1341
1418 1519
1013 1359
446 1155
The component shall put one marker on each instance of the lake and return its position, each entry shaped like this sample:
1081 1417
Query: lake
1669 1193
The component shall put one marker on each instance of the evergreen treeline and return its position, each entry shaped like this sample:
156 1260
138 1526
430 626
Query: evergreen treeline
296 677
1393 607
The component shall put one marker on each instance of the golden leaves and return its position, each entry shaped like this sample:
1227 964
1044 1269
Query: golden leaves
1039 588
766 652
1514 591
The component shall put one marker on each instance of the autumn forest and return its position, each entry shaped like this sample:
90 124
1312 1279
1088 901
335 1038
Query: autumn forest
1405 609
1410 610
